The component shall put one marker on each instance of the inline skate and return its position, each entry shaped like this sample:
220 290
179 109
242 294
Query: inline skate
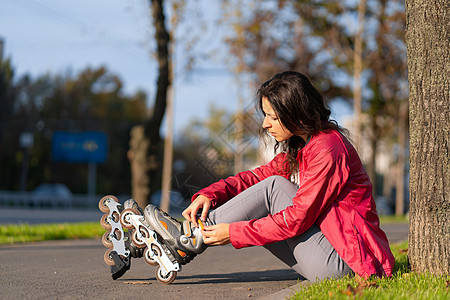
160 239
183 240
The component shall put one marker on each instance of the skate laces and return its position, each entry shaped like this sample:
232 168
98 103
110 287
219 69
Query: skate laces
200 223
166 215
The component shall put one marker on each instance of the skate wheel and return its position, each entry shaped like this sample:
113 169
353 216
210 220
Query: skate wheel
168 279
124 217
102 203
106 241
105 223
108 258
156 250
136 240
136 207
148 258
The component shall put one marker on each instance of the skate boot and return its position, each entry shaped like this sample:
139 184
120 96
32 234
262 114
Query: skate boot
183 240
155 250
119 242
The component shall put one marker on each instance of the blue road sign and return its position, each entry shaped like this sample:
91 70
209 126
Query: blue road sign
87 146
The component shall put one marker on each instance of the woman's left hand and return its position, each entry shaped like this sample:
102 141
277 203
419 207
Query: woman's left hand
217 234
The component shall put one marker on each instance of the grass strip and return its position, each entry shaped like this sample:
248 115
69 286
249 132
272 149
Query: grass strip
11 234
394 219
404 284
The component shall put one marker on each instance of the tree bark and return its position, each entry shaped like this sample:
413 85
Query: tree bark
401 160
137 156
146 172
372 165
358 68
427 42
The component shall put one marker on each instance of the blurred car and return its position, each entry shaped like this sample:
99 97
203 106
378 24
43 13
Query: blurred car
52 194
177 201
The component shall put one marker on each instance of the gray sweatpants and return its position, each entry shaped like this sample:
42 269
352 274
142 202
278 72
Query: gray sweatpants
309 254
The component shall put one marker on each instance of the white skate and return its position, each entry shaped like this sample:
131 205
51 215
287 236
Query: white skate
122 244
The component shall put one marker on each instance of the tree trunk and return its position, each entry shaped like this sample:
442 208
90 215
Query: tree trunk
427 41
166 187
146 172
401 162
372 162
358 68
137 155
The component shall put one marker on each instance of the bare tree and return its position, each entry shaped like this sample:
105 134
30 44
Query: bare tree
145 141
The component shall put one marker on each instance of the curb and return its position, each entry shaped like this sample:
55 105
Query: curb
287 292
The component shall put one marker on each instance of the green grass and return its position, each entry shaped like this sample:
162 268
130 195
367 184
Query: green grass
11 234
402 285
394 219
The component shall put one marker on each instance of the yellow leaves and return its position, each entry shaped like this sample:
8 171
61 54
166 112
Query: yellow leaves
362 284
255 28
403 251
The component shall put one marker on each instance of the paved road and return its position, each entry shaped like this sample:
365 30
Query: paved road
75 269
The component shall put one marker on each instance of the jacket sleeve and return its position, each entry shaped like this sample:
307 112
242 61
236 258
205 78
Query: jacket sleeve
322 177
225 189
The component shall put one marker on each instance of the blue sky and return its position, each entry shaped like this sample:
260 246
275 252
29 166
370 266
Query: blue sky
54 36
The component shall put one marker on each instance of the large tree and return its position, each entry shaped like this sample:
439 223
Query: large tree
427 40
7 95
145 143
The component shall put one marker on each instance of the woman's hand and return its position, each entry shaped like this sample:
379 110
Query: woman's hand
217 234
190 213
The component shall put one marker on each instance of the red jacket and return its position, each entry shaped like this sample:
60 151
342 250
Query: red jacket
334 192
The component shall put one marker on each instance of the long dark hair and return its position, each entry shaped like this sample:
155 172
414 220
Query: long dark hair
300 108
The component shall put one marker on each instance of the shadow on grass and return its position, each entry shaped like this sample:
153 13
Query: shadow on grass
400 251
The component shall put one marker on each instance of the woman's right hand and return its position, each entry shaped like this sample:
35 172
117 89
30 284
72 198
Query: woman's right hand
190 213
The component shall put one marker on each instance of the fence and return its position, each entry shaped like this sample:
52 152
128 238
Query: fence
29 199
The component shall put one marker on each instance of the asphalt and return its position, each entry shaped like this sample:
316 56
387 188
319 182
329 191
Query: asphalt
75 268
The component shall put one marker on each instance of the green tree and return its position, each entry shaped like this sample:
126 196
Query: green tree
94 100
7 137
91 100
